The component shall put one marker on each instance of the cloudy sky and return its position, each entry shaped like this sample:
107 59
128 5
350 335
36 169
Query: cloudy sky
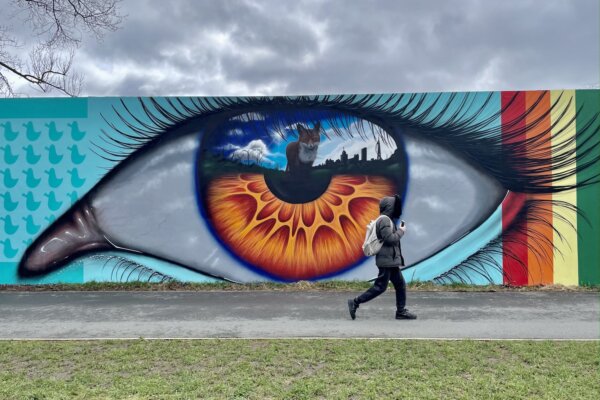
194 47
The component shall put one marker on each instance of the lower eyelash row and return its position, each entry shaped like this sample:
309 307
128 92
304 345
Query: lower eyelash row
125 270
529 223
531 218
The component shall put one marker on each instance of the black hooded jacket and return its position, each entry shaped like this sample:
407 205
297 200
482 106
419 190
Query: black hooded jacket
390 254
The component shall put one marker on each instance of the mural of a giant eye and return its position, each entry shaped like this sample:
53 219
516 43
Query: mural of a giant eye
281 188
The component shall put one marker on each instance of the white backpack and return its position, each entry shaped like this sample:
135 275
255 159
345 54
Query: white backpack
372 244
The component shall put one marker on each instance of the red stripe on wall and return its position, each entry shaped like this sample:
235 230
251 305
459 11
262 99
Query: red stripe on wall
514 245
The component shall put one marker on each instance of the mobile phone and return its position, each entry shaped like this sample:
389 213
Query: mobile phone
401 222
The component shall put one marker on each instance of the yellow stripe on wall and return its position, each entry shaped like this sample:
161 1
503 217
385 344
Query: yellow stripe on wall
565 254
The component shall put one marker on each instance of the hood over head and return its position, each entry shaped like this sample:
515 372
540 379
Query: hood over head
391 206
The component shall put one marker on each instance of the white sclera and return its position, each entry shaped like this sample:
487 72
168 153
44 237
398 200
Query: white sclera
151 206
446 198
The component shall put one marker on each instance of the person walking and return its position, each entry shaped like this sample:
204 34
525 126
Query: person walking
388 260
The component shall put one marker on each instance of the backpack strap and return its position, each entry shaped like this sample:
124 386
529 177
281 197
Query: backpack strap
377 231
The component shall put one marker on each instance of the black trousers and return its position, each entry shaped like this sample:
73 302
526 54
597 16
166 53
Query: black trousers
386 274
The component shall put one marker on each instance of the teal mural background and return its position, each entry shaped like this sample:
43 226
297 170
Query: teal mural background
48 162
44 145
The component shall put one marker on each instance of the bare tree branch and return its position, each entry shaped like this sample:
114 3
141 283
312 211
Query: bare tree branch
58 27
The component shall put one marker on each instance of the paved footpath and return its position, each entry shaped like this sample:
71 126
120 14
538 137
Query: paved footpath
262 314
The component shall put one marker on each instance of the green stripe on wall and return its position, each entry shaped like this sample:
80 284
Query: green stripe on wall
588 198
46 107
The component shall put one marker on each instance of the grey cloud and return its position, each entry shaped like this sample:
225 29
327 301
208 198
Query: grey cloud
314 46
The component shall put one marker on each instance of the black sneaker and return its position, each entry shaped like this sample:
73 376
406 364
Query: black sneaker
405 314
352 306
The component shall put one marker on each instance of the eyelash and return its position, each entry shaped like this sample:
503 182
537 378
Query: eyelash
520 165
123 267
490 254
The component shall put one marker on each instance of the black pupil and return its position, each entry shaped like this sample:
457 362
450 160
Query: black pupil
298 188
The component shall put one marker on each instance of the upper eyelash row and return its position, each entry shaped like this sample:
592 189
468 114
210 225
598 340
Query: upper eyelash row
525 165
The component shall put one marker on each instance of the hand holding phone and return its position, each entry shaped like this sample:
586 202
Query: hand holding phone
402 226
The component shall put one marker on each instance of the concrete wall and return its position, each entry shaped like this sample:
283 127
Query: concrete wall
496 187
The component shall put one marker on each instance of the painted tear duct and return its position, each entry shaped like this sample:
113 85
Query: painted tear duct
74 234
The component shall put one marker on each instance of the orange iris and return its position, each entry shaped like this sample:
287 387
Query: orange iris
295 241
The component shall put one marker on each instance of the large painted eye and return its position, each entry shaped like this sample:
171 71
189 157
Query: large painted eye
245 195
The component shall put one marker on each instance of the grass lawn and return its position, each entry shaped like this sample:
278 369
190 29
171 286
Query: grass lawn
299 369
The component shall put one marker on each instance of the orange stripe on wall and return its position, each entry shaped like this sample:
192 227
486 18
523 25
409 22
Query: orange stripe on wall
540 253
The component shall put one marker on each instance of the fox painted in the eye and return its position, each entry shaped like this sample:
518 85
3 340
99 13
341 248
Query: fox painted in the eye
302 153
